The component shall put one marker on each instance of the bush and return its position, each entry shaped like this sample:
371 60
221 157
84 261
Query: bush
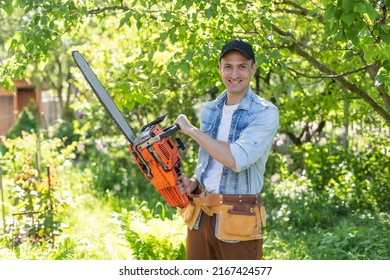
34 197
304 223
26 121
152 237
353 179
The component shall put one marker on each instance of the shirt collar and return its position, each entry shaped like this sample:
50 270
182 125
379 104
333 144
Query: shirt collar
244 104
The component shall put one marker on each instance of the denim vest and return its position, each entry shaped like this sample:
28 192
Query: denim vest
254 125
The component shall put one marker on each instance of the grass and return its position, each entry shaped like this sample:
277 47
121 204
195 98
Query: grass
89 231
90 223
356 236
96 233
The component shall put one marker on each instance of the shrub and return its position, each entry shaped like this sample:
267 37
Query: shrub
33 194
154 238
26 121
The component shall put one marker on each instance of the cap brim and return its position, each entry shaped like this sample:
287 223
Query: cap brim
235 49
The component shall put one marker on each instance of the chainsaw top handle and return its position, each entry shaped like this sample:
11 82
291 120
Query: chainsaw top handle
169 131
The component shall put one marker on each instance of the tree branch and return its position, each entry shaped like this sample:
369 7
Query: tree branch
373 71
110 8
331 76
298 10
296 140
341 79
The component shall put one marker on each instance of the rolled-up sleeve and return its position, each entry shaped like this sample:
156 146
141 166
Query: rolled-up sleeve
255 141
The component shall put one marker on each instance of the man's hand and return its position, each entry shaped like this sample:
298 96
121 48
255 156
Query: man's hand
185 125
186 185
219 150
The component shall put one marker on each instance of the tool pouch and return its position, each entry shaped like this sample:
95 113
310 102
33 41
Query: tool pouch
240 222
190 213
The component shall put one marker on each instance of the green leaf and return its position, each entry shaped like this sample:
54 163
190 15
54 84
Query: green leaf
163 36
168 16
360 8
7 7
360 24
188 4
385 38
348 19
352 35
41 65
329 12
126 19
371 12
369 53
185 66
179 4
138 18
327 29
338 13
142 98
189 55
275 55
172 68
172 33
384 33
348 5
208 13
139 25
284 66
162 47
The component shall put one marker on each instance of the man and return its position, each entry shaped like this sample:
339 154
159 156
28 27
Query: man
236 133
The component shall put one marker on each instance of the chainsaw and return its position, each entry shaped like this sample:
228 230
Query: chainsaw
153 149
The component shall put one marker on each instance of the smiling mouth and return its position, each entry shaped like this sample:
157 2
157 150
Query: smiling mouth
235 82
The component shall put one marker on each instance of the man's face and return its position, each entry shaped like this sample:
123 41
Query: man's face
236 71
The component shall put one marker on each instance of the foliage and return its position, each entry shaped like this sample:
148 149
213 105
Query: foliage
304 222
36 208
300 229
350 177
327 202
25 149
33 194
356 237
307 223
325 64
26 122
65 130
65 250
332 55
153 238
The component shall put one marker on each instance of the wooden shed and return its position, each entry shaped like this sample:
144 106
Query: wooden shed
12 104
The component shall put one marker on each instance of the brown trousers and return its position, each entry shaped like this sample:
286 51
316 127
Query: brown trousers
203 245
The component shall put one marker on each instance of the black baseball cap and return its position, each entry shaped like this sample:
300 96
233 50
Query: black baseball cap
238 45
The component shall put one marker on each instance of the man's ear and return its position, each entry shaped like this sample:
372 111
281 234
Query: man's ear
253 69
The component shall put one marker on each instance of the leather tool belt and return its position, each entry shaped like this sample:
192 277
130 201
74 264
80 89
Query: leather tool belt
239 217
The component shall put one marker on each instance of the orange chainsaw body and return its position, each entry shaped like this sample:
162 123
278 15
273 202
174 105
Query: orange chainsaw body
160 162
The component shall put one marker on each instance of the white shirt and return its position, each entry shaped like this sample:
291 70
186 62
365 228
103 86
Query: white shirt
214 173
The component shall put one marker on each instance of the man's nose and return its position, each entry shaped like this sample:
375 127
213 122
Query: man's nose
235 73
